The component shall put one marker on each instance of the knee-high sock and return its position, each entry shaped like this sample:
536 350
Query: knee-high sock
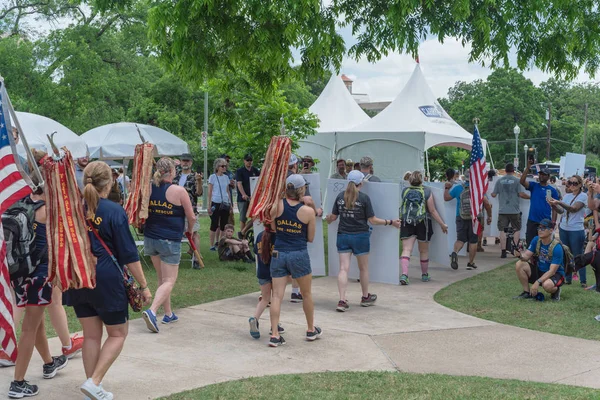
404 261
424 266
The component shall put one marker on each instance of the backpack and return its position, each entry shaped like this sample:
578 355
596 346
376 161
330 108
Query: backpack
413 206
568 259
465 204
17 224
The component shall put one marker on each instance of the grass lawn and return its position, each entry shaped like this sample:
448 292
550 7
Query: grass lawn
218 280
384 385
489 296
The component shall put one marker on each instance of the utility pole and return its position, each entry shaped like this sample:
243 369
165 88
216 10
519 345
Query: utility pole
584 129
549 131
205 180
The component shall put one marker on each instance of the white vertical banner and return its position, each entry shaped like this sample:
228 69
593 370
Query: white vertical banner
563 160
385 240
316 249
574 164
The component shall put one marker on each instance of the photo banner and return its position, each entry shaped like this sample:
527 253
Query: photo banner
385 240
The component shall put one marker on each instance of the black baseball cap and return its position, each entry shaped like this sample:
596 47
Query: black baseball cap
186 156
248 157
545 171
546 223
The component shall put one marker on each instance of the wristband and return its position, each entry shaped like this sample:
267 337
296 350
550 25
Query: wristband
144 288
385 222
540 282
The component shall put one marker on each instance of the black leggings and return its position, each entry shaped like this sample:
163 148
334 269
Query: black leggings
219 217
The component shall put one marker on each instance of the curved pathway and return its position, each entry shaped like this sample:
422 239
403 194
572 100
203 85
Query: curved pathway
407 331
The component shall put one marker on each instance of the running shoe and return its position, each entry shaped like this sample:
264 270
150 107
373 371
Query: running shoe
503 255
254 332
96 392
404 280
523 295
593 287
195 264
369 300
280 330
471 266
556 295
296 298
276 341
168 320
425 277
213 248
58 363
76 345
454 260
314 335
18 390
597 317
342 306
150 320
5 360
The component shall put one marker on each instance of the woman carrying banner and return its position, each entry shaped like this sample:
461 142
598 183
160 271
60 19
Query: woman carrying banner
355 212
220 197
416 212
169 207
106 305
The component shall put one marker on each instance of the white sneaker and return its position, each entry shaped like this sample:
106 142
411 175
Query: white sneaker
94 392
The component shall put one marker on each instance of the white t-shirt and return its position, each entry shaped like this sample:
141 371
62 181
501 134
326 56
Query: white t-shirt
573 221
183 179
219 196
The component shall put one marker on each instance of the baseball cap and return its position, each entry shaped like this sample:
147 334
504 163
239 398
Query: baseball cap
248 157
308 159
366 162
349 162
224 156
297 180
293 160
186 156
545 170
546 223
356 177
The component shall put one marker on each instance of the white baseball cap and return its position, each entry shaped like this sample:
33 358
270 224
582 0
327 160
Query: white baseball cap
297 180
356 177
293 160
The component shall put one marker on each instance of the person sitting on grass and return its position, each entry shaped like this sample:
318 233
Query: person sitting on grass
231 249
263 273
541 264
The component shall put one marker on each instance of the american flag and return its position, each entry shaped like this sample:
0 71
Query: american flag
12 189
478 178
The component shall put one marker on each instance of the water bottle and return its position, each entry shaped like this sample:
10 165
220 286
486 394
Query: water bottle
540 296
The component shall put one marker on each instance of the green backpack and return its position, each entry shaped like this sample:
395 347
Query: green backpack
568 259
413 206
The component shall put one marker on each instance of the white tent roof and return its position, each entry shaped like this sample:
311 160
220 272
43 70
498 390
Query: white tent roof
336 109
416 110
36 127
118 141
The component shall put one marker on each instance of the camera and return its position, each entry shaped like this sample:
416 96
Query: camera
306 165
531 157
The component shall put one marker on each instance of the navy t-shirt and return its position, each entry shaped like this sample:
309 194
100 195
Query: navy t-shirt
539 207
264 270
243 175
113 227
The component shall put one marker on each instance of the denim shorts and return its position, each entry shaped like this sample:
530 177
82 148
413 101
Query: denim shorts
168 250
264 281
358 244
295 263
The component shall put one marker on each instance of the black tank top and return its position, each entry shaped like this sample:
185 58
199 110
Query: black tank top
165 220
291 233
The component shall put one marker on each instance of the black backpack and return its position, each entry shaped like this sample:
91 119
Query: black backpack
17 223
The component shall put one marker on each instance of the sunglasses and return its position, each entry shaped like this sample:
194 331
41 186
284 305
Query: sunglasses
222 166
571 183
543 228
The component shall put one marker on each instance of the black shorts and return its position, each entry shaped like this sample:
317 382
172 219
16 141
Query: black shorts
423 231
464 231
108 318
557 278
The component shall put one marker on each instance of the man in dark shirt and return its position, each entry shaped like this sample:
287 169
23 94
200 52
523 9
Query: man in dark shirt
366 167
242 176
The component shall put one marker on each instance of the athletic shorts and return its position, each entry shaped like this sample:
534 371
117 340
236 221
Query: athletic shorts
464 231
557 278
504 220
108 318
358 244
243 209
423 231
295 263
168 250
33 290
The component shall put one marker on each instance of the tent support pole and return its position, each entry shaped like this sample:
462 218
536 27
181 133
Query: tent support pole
427 162
490 154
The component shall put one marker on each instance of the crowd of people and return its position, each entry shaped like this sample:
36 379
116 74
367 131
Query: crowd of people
281 251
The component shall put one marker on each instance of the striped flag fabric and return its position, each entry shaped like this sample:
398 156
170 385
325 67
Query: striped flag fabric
12 189
478 178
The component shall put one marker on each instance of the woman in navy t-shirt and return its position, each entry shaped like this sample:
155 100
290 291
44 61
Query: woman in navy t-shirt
106 305
169 206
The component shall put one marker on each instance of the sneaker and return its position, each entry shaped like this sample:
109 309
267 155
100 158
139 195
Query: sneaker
96 392
404 280
523 295
296 298
18 390
425 277
213 248
276 341
454 260
369 300
168 320
195 265
471 266
597 317
503 255
280 330
5 360
484 242
58 363
342 306
556 295
314 335
583 285
593 287
254 332
76 345
150 320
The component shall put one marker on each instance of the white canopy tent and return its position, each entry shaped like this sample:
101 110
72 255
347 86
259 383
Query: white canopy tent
337 111
118 141
398 137
36 127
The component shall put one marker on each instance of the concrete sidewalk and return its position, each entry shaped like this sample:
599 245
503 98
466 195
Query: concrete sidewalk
406 331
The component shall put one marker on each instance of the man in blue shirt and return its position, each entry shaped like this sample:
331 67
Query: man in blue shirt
540 268
539 208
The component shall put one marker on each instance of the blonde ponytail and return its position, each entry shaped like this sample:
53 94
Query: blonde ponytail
350 195
164 167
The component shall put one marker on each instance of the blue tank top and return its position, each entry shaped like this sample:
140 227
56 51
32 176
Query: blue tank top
165 220
291 233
